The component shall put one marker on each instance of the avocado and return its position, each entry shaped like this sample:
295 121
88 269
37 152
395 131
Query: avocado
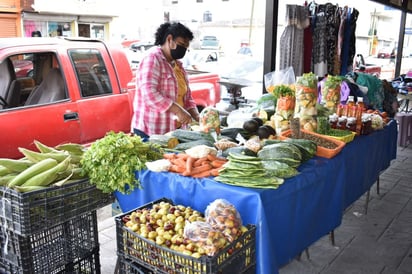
272 131
259 120
263 132
251 125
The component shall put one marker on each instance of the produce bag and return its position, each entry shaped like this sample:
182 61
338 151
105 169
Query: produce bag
285 109
205 237
224 217
209 120
306 89
281 85
279 77
330 92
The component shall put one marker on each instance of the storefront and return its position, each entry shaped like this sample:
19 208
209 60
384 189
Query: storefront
50 25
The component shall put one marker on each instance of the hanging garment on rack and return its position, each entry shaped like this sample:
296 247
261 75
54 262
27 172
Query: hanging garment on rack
349 41
338 64
332 28
319 52
291 40
352 38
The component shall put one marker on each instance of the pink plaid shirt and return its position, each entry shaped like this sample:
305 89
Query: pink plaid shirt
156 91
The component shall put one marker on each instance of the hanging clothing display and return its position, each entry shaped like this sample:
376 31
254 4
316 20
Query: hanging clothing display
325 32
291 41
319 52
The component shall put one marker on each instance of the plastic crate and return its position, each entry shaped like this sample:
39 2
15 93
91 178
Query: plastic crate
130 267
89 264
31 212
62 248
345 138
131 247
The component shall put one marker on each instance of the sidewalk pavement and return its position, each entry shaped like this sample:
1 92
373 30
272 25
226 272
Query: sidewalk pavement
376 240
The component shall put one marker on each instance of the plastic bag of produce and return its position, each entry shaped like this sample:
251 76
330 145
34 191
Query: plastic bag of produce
208 239
330 92
209 120
306 99
224 217
279 77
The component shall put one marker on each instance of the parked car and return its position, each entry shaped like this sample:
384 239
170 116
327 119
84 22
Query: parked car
210 43
142 46
246 72
23 67
79 90
245 51
386 52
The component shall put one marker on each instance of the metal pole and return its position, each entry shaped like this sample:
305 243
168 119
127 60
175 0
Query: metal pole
251 22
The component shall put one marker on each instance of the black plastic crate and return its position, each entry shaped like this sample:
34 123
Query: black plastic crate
135 250
65 247
130 267
31 212
89 264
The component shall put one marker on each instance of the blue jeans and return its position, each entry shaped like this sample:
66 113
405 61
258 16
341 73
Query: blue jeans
140 133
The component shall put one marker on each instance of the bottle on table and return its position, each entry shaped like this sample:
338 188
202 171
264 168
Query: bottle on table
361 104
350 103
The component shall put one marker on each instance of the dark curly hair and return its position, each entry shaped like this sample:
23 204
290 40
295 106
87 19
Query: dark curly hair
176 29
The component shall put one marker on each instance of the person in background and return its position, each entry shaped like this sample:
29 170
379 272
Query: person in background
163 100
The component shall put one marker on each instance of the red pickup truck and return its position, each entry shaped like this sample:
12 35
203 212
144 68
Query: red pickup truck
75 90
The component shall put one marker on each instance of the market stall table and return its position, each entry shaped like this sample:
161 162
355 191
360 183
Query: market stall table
301 211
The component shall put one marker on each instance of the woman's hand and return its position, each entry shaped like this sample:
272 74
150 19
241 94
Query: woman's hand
182 115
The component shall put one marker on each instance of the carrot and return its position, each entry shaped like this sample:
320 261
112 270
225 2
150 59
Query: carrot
179 162
217 163
200 161
212 157
189 164
215 171
202 174
177 169
169 156
183 156
198 169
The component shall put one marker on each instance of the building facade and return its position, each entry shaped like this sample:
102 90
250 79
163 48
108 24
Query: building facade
48 18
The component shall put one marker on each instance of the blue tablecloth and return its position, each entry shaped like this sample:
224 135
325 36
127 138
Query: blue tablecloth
298 213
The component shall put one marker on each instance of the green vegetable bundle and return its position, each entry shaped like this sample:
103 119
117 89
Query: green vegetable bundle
247 171
111 162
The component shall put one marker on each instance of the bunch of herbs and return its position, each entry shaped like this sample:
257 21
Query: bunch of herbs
111 162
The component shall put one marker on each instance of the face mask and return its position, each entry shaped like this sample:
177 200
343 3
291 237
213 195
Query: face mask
178 53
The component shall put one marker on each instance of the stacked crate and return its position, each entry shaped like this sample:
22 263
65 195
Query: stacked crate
52 230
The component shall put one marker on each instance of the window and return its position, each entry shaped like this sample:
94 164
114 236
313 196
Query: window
91 72
31 79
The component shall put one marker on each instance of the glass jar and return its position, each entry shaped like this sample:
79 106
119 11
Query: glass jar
333 121
351 124
342 122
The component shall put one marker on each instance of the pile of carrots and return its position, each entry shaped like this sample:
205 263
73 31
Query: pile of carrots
186 165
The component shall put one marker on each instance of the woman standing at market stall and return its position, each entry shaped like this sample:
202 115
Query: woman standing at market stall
163 100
